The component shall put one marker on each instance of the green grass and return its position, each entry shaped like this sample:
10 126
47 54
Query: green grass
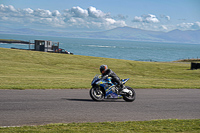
21 69
166 126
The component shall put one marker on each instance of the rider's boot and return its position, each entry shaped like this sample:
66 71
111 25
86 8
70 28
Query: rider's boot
120 90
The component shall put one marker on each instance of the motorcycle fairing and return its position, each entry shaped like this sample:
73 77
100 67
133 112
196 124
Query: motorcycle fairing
124 80
108 85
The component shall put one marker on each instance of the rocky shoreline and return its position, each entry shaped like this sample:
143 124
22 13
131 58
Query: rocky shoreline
13 41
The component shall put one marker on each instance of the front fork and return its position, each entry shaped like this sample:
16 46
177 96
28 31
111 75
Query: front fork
99 90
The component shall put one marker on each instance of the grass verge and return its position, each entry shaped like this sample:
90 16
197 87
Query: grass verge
172 125
21 69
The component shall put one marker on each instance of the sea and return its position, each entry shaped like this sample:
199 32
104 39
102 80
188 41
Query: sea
117 49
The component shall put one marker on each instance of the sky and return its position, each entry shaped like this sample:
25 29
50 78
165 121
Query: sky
100 15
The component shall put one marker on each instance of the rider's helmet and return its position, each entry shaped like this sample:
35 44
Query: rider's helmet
103 68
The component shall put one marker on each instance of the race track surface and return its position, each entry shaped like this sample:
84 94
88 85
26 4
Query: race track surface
38 107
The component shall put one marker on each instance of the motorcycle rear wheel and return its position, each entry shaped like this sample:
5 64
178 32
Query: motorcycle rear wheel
129 97
96 94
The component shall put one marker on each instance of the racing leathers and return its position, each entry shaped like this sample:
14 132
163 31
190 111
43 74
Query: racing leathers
115 78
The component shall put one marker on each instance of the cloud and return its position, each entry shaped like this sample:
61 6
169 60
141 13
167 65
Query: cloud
120 17
9 8
75 17
56 13
42 13
196 26
148 22
167 17
77 12
27 11
149 18
137 19
153 22
189 26
89 18
93 12
163 27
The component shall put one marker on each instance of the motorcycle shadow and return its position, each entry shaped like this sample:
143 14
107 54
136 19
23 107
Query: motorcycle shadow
90 100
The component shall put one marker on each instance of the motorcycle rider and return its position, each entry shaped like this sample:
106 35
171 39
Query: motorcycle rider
109 73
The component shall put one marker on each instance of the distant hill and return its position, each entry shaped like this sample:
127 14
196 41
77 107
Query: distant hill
129 33
121 33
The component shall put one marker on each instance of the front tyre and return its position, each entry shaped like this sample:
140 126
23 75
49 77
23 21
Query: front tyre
129 96
96 94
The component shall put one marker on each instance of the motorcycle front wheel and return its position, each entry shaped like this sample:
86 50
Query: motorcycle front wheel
96 94
130 96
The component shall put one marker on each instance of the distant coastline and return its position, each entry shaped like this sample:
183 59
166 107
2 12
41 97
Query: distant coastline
188 60
13 41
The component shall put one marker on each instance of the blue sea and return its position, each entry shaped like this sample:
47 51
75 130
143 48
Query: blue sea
118 49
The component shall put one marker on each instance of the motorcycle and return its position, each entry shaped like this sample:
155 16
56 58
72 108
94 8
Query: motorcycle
105 89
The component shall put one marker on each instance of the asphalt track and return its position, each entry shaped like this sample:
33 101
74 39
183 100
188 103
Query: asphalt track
38 107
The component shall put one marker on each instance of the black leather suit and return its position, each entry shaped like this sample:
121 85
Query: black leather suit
110 73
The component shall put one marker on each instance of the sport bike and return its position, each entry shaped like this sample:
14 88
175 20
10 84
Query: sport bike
105 89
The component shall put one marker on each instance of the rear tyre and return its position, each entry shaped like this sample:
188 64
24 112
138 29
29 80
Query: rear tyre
96 94
130 96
